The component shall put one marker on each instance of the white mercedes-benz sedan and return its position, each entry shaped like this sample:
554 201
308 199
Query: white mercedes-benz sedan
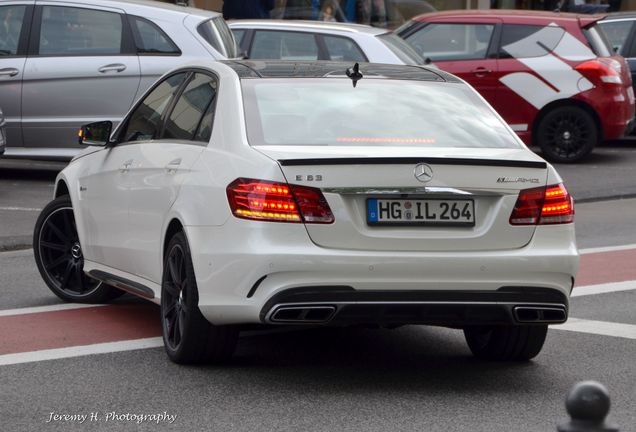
314 193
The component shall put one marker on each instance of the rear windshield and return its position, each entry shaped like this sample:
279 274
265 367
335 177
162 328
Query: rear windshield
401 49
599 42
377 112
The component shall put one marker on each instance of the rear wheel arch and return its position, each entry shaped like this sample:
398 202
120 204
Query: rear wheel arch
174 227
61 189
565 103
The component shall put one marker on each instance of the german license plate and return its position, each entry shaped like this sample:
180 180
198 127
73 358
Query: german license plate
430 211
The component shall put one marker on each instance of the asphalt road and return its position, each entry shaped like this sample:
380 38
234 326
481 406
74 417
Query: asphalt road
408 379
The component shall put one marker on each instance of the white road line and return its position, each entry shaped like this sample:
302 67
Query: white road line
21 209
607 249
77 351
603 288
604 328
51 308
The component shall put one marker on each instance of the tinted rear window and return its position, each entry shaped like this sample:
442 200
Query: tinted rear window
377 112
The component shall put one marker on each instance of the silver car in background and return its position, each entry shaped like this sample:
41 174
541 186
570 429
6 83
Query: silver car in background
3 135
66 63
318 40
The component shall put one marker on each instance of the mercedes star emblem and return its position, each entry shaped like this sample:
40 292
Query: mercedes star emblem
423 172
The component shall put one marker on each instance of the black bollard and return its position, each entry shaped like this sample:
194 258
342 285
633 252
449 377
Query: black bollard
588 404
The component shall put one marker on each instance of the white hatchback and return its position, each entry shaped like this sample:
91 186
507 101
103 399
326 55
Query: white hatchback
317 40
314 193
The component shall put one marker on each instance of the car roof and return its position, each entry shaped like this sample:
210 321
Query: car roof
307 25
545 16
127 4
321 69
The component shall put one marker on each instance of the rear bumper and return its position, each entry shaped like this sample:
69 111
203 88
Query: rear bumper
346 306
240 271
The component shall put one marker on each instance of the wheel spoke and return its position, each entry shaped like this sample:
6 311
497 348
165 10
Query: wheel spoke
66 274
172 289
60 235
56 262
169 310
77 275
174 272
54 246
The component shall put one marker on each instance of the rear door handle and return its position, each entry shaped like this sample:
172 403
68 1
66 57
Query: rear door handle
481 71
173 165
117 67
126 165
9 72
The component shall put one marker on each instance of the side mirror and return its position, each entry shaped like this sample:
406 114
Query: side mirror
95 134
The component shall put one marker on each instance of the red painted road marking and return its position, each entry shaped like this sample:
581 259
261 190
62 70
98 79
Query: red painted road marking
604 267
31 332
46 330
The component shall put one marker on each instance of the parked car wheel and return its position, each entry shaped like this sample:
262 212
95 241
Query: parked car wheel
188 337
58 255
506 342
567 134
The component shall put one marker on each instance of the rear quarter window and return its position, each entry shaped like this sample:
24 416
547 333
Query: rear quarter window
524 41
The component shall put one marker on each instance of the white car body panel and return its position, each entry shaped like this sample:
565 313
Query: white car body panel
232 257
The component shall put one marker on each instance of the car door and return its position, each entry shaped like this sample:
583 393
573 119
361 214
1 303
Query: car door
15 18
106 181
160 166
82 67
466 49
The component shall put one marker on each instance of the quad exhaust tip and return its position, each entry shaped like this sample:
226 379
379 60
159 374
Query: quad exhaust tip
302 314
540 314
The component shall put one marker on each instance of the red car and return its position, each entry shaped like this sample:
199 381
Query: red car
553 77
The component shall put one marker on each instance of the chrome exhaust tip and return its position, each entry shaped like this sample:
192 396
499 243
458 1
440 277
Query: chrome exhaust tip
302 314
540 314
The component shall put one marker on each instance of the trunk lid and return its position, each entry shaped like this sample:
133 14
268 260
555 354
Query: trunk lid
349 176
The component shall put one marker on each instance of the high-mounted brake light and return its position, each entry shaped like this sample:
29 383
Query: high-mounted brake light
543 206
602 71
277 202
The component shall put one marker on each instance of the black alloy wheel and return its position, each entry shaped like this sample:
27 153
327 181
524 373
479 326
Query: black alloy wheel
58 255
188 337
567 134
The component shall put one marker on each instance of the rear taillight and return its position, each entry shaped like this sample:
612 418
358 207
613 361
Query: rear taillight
277 202
543 206
602 71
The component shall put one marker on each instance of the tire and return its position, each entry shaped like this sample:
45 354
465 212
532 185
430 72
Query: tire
514 342
188 337
58 255
567 134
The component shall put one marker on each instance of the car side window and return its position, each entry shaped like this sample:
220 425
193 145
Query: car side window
442 41
525 41
192 115
145 122
238 35
11 18
284 45
342 48
617 33
150 39
78 31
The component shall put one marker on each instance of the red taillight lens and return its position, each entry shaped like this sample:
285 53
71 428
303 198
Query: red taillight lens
277 202
603 71
543 206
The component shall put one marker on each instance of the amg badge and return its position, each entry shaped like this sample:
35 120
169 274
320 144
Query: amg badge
517 180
